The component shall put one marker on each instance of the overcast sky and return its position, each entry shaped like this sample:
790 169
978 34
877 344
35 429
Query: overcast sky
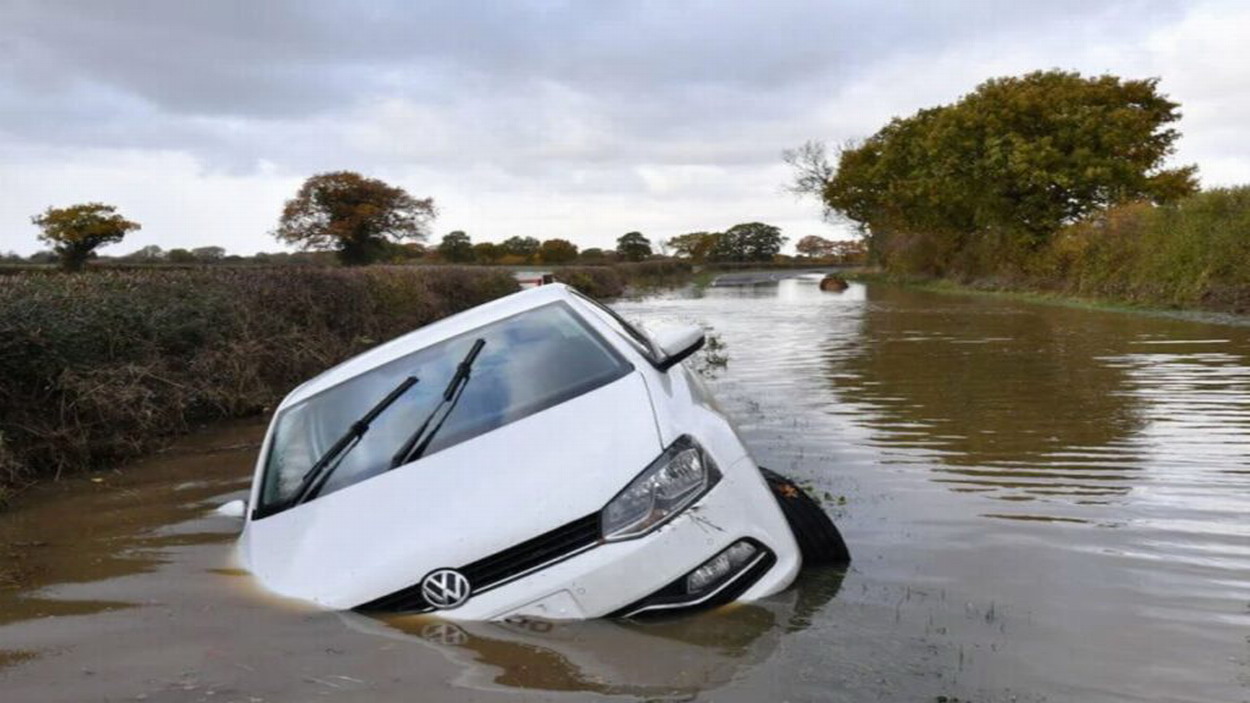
581 120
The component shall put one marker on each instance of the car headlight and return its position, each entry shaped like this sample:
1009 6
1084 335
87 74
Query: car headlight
679 477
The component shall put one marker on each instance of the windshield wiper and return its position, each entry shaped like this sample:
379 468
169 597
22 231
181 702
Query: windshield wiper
415 446
321 470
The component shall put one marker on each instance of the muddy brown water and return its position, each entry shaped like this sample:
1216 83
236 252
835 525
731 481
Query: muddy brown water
1044 504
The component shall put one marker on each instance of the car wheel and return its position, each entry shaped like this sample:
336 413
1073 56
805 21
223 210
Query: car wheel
819 540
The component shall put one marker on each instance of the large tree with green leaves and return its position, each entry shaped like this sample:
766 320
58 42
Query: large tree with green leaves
632 246
1014 160
525 248
456 248
75 232
750 241
354 216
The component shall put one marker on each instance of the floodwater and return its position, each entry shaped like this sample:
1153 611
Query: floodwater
1043 503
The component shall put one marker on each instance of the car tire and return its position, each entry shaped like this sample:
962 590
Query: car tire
820 543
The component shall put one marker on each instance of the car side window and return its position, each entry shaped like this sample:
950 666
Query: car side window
621 326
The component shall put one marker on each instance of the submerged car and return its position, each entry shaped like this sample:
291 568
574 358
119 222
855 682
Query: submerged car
534 456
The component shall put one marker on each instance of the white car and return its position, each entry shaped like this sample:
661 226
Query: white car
533 456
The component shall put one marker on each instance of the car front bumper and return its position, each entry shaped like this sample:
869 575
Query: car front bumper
609 577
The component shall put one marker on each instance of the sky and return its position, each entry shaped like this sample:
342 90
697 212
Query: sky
578 120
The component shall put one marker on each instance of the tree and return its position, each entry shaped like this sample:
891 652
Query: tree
557 251
456 248
593 255
209 254
410 251
75 232
814 246
632 246
524 248
180 256
353 216
750 241
850 251
696 245
812 171
147 255
1009 164
487 252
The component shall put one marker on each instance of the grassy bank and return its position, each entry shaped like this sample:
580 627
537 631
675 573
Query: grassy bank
998 289
1193 254
100 367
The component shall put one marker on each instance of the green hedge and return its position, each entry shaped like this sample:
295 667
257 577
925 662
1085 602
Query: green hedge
102 366
1195 253
614 280
1192 254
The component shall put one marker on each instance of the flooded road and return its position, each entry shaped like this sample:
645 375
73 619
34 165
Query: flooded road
1043 503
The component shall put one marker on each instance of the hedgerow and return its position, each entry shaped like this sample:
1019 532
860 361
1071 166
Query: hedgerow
99 367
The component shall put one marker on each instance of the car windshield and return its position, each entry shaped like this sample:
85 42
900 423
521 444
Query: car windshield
530 362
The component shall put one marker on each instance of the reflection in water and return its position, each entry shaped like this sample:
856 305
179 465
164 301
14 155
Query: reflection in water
84 531
114 525
1000 400
984 447
650 659
13 657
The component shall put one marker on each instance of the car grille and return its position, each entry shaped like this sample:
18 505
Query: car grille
502 567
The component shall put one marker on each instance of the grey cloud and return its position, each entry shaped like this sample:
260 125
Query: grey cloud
289 58
236 81
499 97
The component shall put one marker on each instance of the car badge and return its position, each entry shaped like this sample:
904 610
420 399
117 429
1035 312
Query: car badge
445 589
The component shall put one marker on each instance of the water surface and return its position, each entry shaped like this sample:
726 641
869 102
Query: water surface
1043 503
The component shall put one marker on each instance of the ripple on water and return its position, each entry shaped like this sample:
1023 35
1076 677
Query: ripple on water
1043 504
1091 467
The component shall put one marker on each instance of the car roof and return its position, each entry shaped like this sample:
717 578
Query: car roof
432 333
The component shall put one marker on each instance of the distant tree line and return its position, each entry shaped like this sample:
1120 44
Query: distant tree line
747 242
355 220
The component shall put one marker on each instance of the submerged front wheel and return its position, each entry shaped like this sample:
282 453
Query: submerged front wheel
820 543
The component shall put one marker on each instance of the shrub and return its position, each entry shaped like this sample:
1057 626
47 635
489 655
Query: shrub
595 281
1194 253
612 281
99 367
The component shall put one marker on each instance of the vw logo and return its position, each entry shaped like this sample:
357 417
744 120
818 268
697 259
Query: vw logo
445 588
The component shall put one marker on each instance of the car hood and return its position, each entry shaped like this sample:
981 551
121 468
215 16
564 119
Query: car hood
460 504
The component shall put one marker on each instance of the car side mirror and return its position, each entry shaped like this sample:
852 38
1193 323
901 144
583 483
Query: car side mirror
676 344
235 508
